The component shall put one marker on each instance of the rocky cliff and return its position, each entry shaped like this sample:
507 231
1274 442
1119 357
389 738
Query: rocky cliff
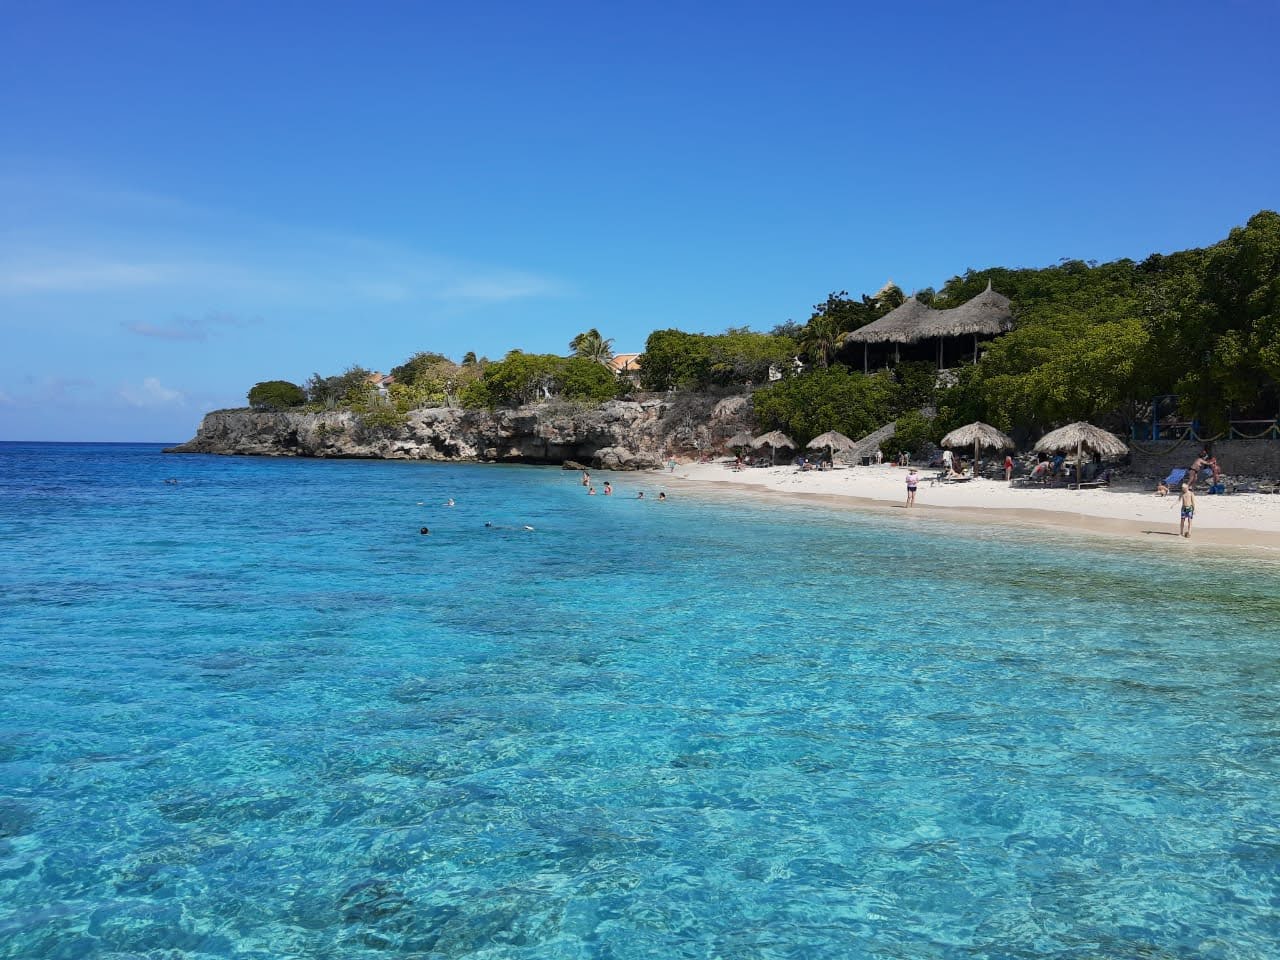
616 435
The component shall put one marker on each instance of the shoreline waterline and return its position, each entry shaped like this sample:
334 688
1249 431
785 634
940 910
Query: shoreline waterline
1237 540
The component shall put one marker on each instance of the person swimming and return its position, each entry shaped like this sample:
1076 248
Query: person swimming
425 531
640 495
449 502
662 496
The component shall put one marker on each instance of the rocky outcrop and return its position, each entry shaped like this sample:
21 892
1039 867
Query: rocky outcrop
619 435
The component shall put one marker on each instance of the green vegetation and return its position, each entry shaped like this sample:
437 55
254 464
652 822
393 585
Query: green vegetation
831 399
431 380
276 395
1091 342
1100 341
592 346
695 361
520 378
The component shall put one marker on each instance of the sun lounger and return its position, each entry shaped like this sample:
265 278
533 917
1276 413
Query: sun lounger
1174 480
1101 480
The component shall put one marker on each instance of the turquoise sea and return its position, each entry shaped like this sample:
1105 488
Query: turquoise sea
256 714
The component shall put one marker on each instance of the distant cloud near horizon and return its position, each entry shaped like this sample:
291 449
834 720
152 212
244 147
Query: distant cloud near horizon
152 393
184 328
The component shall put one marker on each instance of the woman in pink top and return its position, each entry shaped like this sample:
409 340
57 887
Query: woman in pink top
913 481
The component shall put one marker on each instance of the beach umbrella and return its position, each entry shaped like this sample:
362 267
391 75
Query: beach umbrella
774 440
741 439
1081 437
981 435
833 441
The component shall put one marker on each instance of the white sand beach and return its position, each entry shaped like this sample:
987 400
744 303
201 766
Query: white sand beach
1238 520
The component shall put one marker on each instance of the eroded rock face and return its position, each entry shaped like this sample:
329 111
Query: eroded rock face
619 435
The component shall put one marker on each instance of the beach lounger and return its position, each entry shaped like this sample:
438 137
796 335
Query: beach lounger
1101 480
1174 480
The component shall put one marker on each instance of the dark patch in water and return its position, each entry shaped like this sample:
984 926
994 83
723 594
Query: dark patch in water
16 820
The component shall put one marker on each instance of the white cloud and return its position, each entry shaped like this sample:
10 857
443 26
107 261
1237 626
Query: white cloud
187 328
77 275
498 288
175 245
152 393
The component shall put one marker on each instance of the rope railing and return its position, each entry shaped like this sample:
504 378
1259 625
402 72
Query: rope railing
1190 431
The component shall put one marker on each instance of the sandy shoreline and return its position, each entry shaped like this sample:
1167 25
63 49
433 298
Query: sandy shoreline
1241 522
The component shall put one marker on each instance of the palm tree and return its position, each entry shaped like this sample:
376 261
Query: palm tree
820 338
592 346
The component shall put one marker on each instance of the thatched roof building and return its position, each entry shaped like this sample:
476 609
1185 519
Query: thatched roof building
986 315
900 325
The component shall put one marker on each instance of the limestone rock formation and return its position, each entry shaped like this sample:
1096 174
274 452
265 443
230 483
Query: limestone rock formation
618 435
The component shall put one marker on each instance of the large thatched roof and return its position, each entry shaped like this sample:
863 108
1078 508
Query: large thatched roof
1075 435
986 314
834 439
899 325
775 439
977 434
740 439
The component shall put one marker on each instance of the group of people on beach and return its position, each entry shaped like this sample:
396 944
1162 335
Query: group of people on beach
608 489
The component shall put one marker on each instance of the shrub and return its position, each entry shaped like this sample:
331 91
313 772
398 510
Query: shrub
276 395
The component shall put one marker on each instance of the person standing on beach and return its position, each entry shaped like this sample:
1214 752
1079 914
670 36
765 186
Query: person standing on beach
1188 504
913 481
1008 468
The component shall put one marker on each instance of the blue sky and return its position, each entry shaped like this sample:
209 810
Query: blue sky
199 196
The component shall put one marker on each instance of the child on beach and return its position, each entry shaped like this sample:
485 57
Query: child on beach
1188 504
913 481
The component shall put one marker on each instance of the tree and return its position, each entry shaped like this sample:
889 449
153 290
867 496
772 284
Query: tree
349 387
522 378
423 367
592 346
820 338
822 400
276 395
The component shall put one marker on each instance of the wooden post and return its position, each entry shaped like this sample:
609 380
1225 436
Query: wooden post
975 348
864 357
1079 454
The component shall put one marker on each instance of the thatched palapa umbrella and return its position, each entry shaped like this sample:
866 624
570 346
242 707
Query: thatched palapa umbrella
1081 437
774 439
832 441
981 435
740 439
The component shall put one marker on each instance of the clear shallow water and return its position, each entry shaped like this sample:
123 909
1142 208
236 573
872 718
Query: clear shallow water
258 715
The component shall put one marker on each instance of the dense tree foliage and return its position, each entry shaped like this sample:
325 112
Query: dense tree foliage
349 387
1100 341
276 395
830 399
431 380
521 378
674 359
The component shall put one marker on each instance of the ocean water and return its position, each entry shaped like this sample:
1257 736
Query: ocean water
256 714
